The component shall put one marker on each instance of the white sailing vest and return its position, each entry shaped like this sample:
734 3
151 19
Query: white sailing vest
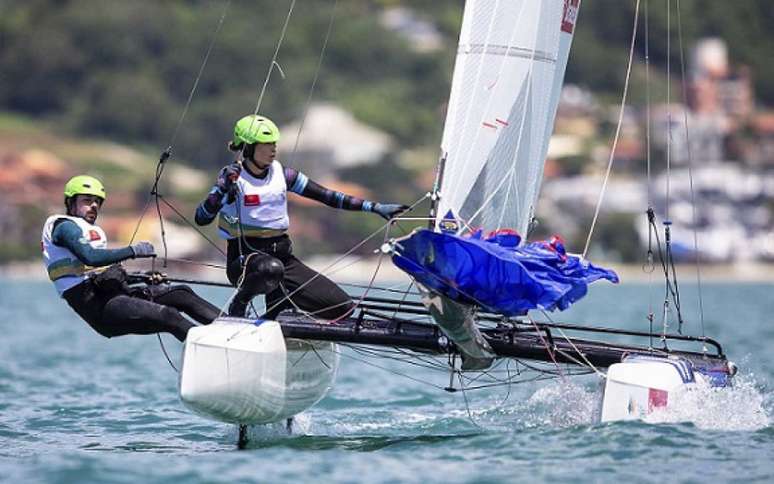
261 206
64 269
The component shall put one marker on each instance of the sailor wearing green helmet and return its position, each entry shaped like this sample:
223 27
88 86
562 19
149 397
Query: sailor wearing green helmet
76 256
84 196
250 201
255 129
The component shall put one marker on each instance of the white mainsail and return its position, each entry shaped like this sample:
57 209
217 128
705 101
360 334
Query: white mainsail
505 91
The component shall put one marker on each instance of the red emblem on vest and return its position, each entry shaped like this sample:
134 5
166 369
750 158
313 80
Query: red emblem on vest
94 235
252 200
570 15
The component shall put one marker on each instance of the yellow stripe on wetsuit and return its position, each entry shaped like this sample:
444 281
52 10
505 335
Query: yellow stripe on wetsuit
70 268
234 229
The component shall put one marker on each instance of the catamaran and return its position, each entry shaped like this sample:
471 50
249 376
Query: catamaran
475 280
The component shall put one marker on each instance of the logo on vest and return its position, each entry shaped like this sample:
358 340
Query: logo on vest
252 200
94 235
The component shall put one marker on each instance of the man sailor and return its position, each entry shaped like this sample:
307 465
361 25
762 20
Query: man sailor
75 253
250 201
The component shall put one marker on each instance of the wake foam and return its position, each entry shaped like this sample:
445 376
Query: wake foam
742 407
562 405
747 406
553 405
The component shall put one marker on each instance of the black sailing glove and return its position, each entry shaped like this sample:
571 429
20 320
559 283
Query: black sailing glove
143 249
389 211
227 177
225 184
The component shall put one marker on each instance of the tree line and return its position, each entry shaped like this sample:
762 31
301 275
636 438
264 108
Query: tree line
124 70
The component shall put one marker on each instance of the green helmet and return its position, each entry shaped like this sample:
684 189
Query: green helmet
84 185
255 129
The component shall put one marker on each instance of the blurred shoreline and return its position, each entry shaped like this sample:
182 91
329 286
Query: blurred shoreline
361 271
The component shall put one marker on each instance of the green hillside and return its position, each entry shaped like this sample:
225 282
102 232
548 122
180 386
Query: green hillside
123 70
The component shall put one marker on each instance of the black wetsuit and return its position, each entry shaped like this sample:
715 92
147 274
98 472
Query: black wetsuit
308 289
319 295
152 309
114 308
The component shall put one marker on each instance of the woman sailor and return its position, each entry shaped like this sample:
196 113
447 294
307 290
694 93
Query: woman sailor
74 247
250 201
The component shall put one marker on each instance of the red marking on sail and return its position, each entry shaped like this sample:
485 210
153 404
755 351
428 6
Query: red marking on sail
570 15
489 125
252 200
656 399
504 123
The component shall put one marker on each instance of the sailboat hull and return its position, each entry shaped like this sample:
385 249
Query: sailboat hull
245 372
643 384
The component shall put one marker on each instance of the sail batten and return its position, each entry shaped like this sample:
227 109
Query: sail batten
507 78
506 50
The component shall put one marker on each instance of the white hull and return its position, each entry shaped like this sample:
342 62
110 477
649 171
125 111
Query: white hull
238 372
641 384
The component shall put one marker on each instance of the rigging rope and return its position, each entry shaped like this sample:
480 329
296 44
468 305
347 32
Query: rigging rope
585 362
274 58
168 151
666 261
549 350
166 355
617 129
690 173
649 185
668 107
580 353
314 81
648 266
465 398
366 362
199 74
511 379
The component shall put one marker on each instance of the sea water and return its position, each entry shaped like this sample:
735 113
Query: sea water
75 407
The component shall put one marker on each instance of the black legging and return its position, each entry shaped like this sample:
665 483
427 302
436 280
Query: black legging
319 295
152 309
